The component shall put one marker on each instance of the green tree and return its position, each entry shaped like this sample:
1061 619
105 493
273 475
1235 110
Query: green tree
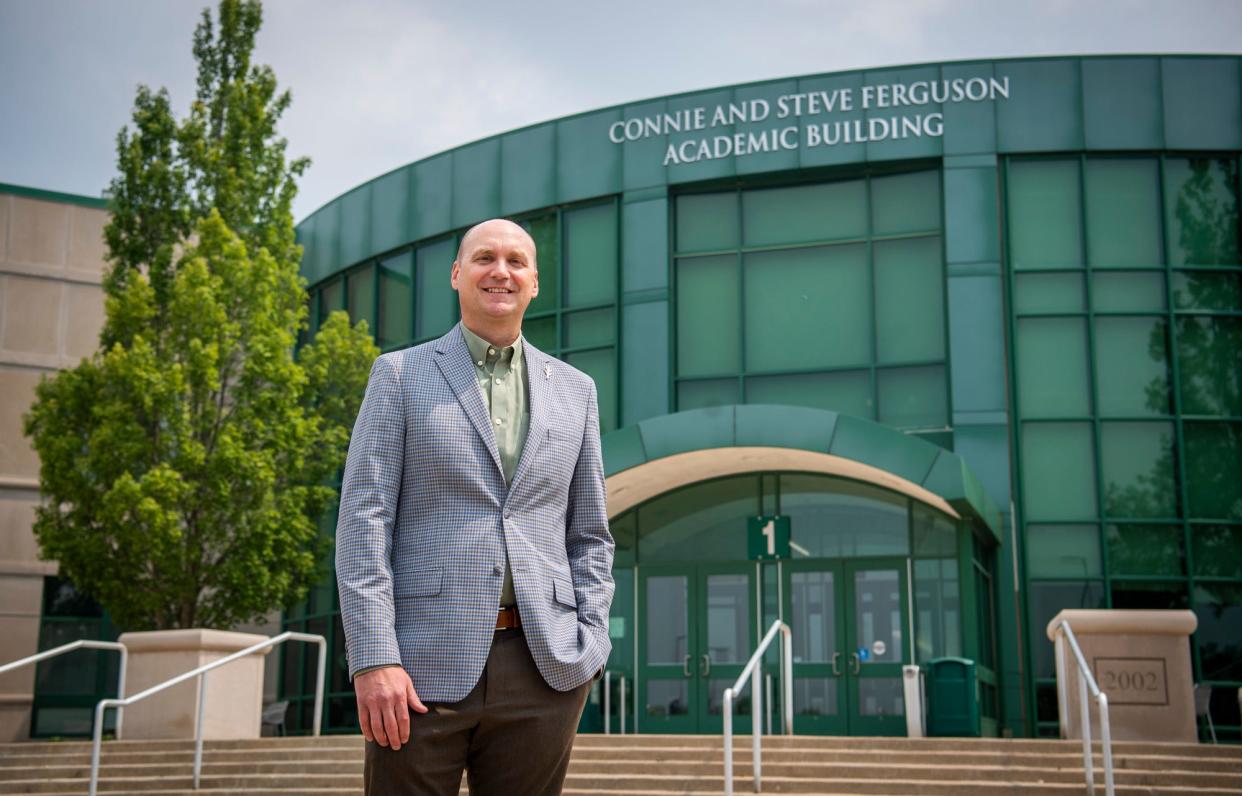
185 465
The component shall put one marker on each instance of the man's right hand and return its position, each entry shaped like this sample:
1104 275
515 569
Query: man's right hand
385 698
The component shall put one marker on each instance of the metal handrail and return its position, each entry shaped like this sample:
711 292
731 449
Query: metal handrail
200 672
1085 681
81 644
608 703
752 670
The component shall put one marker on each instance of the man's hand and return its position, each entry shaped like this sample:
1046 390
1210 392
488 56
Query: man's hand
383 698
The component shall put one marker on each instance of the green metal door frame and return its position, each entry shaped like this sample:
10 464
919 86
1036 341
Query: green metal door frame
862 670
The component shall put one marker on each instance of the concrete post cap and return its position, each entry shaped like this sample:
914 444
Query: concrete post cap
1120 622
191 639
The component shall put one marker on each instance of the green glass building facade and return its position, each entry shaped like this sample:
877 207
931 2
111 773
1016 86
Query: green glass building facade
973 328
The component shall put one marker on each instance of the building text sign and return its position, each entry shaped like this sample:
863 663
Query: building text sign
808 118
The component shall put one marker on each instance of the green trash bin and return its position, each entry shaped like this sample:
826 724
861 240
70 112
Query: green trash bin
953 698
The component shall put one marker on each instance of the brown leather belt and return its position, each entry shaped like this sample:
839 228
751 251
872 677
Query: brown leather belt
508 618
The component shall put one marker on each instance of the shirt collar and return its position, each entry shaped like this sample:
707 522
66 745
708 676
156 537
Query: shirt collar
479 348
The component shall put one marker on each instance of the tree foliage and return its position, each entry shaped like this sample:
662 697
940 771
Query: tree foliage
185 465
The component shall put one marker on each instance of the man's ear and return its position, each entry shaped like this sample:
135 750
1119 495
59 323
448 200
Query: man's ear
534 288
453 273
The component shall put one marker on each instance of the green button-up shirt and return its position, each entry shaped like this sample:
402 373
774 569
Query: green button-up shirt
501 373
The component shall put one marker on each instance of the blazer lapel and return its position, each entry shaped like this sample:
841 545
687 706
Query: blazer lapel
453 358
539 374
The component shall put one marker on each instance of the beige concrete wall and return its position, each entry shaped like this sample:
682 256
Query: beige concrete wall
51 310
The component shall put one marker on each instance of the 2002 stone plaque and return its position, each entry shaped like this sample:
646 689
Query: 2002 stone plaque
1133 681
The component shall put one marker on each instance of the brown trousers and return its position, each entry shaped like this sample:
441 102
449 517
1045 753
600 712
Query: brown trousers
512 734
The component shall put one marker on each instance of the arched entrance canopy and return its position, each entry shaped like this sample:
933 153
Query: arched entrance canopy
662 453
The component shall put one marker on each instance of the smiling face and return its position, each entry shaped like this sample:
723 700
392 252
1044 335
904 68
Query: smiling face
495 276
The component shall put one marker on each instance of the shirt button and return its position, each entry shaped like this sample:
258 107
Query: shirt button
491 351
498 421
496 570
479 363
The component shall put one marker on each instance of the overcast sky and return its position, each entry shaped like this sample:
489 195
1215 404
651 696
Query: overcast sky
380 83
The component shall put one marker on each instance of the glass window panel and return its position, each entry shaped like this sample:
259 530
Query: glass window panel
1209 356
590 328
880 696
707 222
1063 551
1137 467
667 698
913 397
1044 214
437 301
396 299
590 260
877 615
909 300
541 332
545 231
1201 208
1048 293
1058 471
706 392
814 623
805 213
1127 291
905 203
848 391
1123 212
65 721
331 297
715 698
1146 550
75 673
705 521
667 632
1207 290
729 598
834 518
62 598
1046 600
1214 469
815 696
708 316
935 535
600 365
1131 374
1219 609
1052 367
1217 550
362 296
938 609
807 308
1150 595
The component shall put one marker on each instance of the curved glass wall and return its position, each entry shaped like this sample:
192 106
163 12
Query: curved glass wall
1126 294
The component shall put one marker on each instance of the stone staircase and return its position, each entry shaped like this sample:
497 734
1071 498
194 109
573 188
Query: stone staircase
646 765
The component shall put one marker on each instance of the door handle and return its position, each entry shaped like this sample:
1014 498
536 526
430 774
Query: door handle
857 667
706 668
685 666
836 670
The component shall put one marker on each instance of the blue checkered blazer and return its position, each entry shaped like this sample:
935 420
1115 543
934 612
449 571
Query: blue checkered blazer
426 517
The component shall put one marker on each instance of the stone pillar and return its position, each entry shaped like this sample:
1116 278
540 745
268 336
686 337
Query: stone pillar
234 692
1141 661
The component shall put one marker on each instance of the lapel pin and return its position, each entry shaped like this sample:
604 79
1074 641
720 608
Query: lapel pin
547 372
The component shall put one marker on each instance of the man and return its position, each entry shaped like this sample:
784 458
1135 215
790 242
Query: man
473 555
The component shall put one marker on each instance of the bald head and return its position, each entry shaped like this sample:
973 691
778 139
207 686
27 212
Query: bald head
501 225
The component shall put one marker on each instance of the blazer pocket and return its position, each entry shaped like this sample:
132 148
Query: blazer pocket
421 583
563 593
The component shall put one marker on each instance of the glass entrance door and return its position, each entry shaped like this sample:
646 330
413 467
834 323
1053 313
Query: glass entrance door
849 621
698 631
